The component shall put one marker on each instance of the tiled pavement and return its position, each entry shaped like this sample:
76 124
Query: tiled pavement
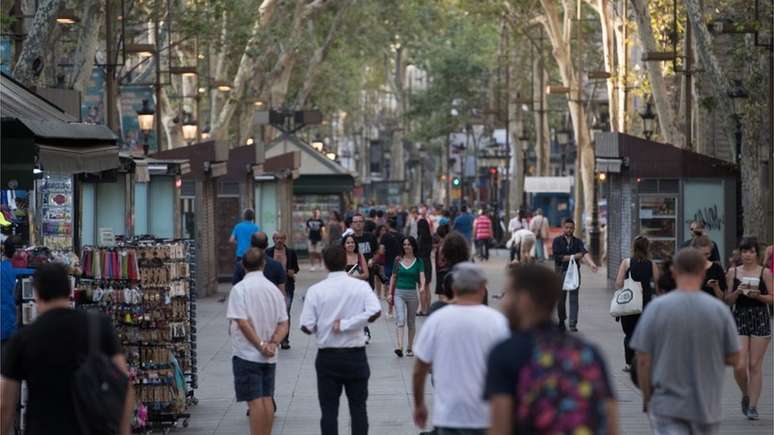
390 403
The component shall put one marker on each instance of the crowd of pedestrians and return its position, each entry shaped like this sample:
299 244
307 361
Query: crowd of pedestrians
516 369
521 369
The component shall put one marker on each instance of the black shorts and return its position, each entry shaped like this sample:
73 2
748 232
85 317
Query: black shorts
253 380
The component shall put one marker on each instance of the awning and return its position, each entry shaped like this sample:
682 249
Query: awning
71 160
323 184
548 184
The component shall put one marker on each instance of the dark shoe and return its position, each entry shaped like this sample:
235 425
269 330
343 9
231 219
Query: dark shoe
285 346
399 352
573 329
752 414
562 327
745 404
627 368
222 299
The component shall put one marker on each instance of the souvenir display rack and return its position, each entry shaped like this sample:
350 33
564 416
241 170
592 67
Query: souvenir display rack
146 287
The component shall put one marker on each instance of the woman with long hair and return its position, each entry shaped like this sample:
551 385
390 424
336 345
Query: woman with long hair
408 275
356 263
424 252
750 294
644 271
455 249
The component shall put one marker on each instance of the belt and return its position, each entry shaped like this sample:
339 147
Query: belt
341 349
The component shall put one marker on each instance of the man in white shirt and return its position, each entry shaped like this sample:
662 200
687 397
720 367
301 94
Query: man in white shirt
518 222
455 342
259 321
336 310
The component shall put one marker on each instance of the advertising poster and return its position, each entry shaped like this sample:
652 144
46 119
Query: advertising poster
131 102
57 212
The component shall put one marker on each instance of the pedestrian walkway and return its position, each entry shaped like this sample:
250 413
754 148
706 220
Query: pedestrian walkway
390 404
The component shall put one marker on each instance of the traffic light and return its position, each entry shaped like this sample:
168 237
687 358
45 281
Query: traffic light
493 170
456 182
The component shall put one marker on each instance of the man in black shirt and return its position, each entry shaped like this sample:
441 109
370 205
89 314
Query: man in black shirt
370 222
314 229
366 242
272 269
565 247
47 353
698 230
288 258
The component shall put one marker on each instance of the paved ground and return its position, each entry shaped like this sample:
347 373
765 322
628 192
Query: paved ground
390 403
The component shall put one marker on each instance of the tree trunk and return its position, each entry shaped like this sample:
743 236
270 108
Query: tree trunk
219 73
397 164
516 162
30 63
219 129
543 150
83 58
173 131
606 22
754 144
559 30
313 69
713 70
667 119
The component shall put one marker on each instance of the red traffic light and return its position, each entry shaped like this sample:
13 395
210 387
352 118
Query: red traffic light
493 171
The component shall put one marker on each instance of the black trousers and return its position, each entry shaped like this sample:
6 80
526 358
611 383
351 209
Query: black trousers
290 289
339 369
628 323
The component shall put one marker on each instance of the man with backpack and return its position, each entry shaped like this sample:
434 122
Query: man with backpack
48 353
541 379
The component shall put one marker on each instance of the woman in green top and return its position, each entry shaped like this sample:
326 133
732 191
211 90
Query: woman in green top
408 275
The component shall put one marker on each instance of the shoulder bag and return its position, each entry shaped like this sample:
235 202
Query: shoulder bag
628 299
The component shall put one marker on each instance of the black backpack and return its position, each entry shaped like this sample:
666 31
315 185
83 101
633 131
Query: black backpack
99 388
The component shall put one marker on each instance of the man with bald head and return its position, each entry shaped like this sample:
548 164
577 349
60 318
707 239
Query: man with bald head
289 261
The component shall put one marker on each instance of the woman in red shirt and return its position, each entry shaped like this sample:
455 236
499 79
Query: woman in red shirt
482 232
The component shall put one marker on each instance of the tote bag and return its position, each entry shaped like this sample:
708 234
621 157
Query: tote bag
571 278
628 299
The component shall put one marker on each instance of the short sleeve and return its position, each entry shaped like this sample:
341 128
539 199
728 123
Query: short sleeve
108 338
12 367
236 305
501 371
424 345
421 265
643 338
730 336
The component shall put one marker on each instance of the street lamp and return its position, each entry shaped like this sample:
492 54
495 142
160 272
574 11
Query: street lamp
206 133
67 17
318 144
189 128
145 117
563 139
737 93
330 155
648 116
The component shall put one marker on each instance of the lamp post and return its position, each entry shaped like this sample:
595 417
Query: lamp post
189 128
594 232
145 118
648 118
736 94
524 141
563 139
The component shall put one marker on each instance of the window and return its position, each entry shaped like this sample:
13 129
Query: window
658 222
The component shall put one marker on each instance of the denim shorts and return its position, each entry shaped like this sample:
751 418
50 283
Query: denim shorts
253 380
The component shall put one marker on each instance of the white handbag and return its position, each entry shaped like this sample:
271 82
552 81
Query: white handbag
571 278
628 299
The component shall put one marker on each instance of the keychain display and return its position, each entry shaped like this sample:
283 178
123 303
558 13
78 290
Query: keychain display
147 288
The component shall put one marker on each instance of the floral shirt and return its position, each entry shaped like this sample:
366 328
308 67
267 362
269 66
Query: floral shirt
559 383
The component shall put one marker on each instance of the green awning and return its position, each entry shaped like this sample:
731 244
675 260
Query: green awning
323 184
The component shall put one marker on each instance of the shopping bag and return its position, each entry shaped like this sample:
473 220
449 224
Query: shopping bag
628 299
571 278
